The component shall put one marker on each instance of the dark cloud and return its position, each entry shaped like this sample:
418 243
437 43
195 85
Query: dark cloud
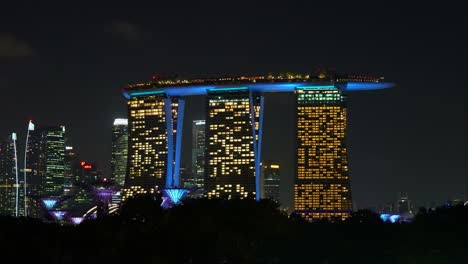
125 30
13 48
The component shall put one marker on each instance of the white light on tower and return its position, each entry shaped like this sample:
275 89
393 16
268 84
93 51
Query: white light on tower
120 122
30 126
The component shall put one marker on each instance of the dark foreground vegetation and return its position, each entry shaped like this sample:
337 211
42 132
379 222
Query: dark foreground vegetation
219 231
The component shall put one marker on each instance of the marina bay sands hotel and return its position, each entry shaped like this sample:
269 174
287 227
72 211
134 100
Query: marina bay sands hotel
234 132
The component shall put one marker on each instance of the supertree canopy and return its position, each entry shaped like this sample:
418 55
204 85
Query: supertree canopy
58 215
49 203
173 196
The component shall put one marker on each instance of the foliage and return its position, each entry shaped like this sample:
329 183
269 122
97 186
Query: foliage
236 231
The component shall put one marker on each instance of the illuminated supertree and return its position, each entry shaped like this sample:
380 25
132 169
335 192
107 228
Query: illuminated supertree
76 220
103 192
49 203
59 215
173 196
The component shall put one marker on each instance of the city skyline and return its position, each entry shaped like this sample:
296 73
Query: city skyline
415 54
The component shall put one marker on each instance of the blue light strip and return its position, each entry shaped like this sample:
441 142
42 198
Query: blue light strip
316 87
362 86
170 139
160 92
228 89
259 150
180 124
256 87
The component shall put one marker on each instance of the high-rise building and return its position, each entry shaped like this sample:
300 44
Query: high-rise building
119 150
55 160
153 139
270 181
88 175
7 178
45 162
198 155
71 168
233 135
403 204
322 184
230 155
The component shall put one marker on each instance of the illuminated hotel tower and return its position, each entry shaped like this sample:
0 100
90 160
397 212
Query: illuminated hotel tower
231 142
153 142
322 184
119 150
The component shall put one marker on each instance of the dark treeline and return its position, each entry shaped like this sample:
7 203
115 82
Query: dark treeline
236 231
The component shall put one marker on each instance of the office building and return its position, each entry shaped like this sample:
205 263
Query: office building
322 185
71 168
7 178
403 204
45 162
196 179
270 181
119 150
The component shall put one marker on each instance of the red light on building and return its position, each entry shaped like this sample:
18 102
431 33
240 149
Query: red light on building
87 166
83 163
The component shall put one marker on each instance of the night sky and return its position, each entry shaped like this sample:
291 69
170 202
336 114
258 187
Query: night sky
66 64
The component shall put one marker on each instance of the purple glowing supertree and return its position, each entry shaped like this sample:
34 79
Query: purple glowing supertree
104 195
58 215
76 220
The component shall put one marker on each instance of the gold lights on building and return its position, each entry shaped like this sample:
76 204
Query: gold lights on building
230 161
322 185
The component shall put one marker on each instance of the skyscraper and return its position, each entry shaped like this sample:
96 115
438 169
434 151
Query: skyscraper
233 135
403 204
7 178
230 154
119 150
153 139
322 184
55 160
270 181
45 162
198 154
72 169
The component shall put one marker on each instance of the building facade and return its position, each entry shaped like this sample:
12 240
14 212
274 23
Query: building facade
322 184
230 135
196 179
7 178
153 137
119 150
270 181
45 162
